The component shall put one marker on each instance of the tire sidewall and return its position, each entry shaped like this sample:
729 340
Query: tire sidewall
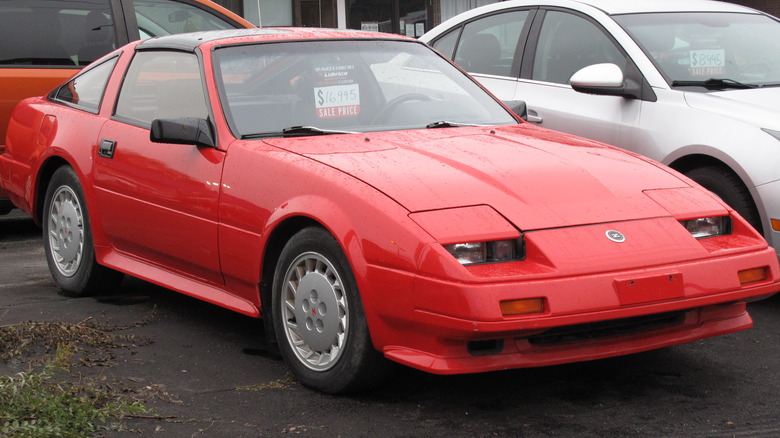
339 377
76 284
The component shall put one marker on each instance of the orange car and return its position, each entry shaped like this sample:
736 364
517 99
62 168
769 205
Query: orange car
45 42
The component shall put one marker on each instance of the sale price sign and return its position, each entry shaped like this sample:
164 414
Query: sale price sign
707 62
337 101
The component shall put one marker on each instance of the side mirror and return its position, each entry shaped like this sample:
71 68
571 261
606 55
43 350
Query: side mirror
188 130
518 107
604 79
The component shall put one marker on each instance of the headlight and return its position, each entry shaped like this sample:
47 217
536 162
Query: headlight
708 226
495 251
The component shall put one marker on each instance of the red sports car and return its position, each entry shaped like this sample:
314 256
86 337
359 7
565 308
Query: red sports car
370 201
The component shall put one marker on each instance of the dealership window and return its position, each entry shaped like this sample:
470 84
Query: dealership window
406 17
314 13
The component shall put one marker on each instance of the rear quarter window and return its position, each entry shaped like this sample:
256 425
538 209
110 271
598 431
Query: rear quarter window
86 90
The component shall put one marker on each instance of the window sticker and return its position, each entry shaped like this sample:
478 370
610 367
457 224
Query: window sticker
707 63
335 92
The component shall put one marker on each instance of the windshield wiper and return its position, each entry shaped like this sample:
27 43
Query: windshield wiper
447 124
295 131
311 130
714 84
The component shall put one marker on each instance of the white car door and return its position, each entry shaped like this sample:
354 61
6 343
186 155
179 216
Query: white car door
566 43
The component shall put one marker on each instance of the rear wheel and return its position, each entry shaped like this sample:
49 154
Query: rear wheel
318 317
68 239
729 187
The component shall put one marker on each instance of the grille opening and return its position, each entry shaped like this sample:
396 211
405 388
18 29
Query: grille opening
487 347
606 329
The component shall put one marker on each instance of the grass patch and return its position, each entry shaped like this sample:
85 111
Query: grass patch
37 404
50 399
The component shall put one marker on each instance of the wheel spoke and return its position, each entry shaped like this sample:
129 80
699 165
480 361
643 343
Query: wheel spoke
315 311
66 231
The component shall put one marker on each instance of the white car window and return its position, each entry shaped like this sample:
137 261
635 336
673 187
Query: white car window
446 44
488 45
568 43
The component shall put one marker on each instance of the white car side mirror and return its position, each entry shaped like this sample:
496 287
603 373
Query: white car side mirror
597 76
607 80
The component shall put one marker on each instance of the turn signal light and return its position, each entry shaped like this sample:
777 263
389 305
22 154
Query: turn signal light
752 275
522 307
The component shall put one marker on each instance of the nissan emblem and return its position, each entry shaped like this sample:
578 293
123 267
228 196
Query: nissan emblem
615 236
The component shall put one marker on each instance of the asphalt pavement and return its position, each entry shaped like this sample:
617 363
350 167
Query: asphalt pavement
204 372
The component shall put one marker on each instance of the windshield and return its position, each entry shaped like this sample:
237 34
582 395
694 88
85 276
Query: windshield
689 47
346 86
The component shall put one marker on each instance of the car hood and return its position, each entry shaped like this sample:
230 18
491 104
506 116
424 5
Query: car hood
534 177
757 106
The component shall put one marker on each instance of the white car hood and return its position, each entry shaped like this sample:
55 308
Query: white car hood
757 106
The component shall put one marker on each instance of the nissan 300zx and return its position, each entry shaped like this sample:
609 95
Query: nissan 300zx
372 204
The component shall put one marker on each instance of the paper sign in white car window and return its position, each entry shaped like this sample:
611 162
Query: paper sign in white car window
337 101
707 62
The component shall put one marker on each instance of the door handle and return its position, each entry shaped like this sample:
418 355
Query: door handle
106 148
534 117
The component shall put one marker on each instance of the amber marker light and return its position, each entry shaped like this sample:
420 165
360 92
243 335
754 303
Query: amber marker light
776 224
752 275
522 307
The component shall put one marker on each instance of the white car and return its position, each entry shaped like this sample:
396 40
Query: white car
694 84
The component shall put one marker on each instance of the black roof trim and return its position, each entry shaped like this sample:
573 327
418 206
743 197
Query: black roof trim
190 41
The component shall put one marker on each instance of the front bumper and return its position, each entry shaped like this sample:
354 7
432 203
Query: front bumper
458 328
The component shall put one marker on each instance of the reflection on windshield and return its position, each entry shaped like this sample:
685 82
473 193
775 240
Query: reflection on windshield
338 86
696 47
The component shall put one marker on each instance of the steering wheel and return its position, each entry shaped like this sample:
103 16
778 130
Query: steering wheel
755 69
390 106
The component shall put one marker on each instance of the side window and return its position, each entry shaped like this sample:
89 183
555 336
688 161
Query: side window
446 44
567 43
161 84
488 45
165 17
86 90
47 33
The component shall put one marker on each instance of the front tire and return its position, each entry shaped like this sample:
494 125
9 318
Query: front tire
67 239
318 317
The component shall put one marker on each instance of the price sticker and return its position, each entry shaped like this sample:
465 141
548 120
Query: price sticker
337 100
707 62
